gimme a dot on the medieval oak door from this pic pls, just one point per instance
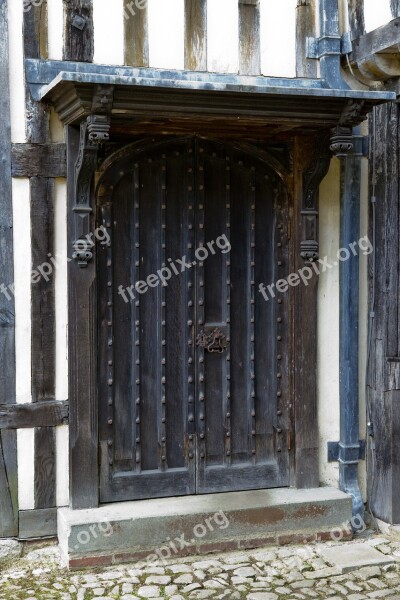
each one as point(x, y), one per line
point(193, 361)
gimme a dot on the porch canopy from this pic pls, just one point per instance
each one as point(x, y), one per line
point(145, 100)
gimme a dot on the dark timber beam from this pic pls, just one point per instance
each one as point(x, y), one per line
point(82, 352)
point(36, 414)
point(34, 160)
point(39, 523)
point(78, 34)
point(8, 439)
point(42, 291)
point(312, 159)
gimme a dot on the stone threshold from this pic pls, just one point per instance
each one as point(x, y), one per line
point(151, 531)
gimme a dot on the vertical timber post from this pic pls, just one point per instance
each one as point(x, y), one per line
point(196, 35)
point(42, 292)
point(8, 439)
point(305, 28)
point(249, 37)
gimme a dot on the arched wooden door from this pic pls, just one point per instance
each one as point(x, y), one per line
point(193, 361)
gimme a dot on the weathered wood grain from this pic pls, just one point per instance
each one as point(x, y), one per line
point(37, 523)
point(8, 442)
point(305, 27)
point(249, 37)
point(43, 288)
point(196, 35)
point(36, 414)
point(310, 158)
point(78, 33)
point(384, 286)
point(136, 33)
point(35, 31)
point(43, 332)
point(45, 467)
point(82, 341)
point(39, 160)
point(35, 34)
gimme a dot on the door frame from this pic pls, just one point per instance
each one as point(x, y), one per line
point(310, 158)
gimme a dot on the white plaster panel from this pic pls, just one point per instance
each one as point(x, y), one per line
point(108, 23)
point(223, 36)
point(26, 468)
point(56, 127)
point(22, 287)
point(62, 466)
point(376, 13)
point(55, 11)
point(278, 38)
point(166, 34)
point(328, 324)
point(61, 288)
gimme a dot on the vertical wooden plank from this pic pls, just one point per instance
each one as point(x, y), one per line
point(43, 334)
point(150, 314)
point(356, 17)
point(249, 37)
point(311, 157)
point(305, 27)
point(35, 31)
point(78, 33)
point(196, 35)
point(42, 288)
point(384, 353)
point(136, 33)
point(35, 46)
point(82, 351)
point(240, 328)
point(43, 302)
point(8, 440)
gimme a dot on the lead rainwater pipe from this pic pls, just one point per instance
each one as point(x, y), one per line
point(349, 445)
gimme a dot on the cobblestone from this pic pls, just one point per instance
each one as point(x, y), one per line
point(274, 573)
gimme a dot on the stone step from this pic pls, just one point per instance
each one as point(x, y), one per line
point(154, 530)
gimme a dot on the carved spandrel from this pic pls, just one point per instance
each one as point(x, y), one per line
point(94, 131)
point(312, 177)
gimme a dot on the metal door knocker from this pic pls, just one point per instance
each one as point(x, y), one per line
point(212, 339)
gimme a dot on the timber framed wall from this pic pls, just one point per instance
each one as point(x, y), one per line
point(81, 30)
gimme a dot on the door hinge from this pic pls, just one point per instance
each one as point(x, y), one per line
point(289, 229)
point(99, 454)
point(289, 440)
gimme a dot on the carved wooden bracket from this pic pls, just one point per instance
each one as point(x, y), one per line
point(342, 141)
point(312, 177)
point(94, 131)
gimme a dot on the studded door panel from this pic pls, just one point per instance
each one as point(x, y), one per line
point(193, 372)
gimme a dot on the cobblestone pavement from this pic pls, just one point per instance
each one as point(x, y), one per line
point(289, 572)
